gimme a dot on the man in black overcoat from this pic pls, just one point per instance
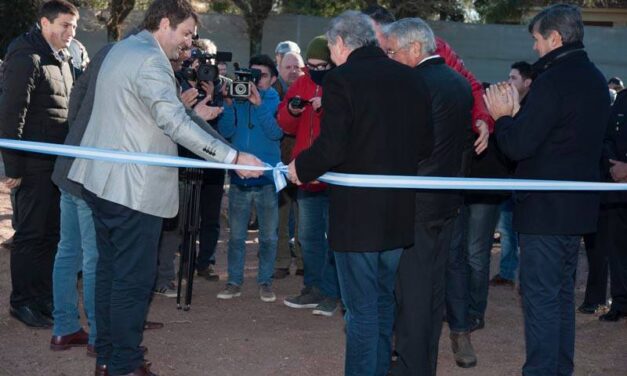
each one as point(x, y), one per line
point(558, 135)
point(376, 121)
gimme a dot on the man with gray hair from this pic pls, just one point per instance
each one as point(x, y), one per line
point(558, 134)
point(366, 129)
point(420, 289)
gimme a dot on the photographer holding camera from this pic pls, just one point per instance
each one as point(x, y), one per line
point(200, 81)
point(248, 121)
point(299, 114)
point(212, 187)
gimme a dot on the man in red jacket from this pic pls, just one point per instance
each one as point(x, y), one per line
point(299, 114)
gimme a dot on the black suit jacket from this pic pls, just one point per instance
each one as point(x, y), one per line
point(558, 135)
point(451, 109)
point(615, 146)
point(376, 121)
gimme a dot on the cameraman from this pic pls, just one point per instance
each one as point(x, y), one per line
point(250, 124)
point(196, 94)
point(212, 187)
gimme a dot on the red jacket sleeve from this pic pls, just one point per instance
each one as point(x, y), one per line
point(287, 121)
point(479, 111)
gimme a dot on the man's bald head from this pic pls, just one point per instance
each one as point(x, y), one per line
point(291, 67)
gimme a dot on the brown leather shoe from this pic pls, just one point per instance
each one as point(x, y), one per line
point(101, 370)
point(152, 325)
point(77, 339)
point(500, 281)
point(91, 350)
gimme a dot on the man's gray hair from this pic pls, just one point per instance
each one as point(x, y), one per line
point(355, 28)
point(409, 30)
point(206, 45)
point(563, 18)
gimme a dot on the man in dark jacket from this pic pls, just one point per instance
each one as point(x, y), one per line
point(557, 135)
point(368, 130)
point(612, 230)
point(422, 270)
point(34, 107)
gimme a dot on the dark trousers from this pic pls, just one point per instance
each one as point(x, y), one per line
point(612, 235)
point(128, 243)
point(547, 276)
point(210, 205)
point(420, 297)
point(35, 241)
point(596, 284)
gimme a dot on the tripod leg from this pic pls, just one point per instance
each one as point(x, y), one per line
point(184, 255)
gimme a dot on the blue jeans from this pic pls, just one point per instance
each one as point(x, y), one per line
point(367, 285)
point(265, 199)
point(318, 259)
point(468, 269)
point(547, 276)
point(509, 242)
point(77, 245)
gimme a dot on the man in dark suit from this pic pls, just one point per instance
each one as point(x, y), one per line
point(422, 270)
point(557, 135)
point(368, 129)
point(612, 231)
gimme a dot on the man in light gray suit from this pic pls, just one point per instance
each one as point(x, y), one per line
point(136, 109)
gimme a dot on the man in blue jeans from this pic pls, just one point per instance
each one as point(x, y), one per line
point(368, 130)
point(250, 124)
point(558, 134)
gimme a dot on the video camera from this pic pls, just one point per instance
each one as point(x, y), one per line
point(244, 77)
point(207, 71)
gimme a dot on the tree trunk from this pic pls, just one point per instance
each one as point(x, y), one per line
point(255, 34)
point(119, 9)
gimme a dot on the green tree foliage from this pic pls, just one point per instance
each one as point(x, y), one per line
point(499, 11)
point(16, 17)
point(322, 8)
point(444, 10)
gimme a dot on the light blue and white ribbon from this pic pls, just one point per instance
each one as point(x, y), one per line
point(351, 180)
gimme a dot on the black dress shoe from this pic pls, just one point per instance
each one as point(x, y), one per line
point(45, 308)
point(31, 317)
point(589, 309)
point(612, 316)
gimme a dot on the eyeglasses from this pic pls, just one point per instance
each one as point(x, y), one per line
point(318, 67)
point(391, 53)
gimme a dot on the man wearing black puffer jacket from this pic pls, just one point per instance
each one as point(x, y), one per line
point(34, 107)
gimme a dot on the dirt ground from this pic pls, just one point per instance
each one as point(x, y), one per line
point(246, 336)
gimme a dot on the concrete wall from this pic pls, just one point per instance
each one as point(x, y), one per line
point(488, 50)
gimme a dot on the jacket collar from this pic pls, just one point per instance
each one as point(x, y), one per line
point(41, 45)
point(365, 52)
point(558, 55)
point(431, 60)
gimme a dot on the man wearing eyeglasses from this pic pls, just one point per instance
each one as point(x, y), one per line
point(421, 278)
point(250, 124)
point(299, 114)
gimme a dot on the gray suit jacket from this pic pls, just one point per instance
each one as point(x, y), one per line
point(136, 109)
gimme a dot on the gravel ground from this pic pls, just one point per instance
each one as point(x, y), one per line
point(248, 337)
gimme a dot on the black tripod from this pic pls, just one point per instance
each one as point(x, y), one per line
point(190, 215)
